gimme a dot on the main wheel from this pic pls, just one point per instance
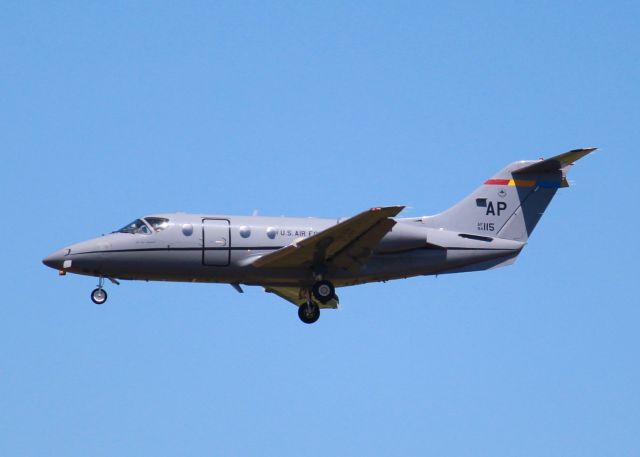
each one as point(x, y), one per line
point(309, 313)
point(323, 291)
point(99, 296)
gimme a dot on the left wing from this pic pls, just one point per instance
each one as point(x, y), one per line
point(345, 245)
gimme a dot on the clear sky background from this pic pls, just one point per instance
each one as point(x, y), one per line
point(113, 110)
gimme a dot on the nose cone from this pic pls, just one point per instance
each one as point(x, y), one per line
point(55, 260)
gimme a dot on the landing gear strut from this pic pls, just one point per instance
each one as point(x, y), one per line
point(99, 295)
point(323, 291)
point(309, 312)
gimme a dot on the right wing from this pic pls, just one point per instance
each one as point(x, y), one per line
point(293, 295)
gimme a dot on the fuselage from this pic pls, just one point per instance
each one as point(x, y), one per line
point(221, 248)
point(303, 260)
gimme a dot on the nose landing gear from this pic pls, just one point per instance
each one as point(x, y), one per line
point(99, 295)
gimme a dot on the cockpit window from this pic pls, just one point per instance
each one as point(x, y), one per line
point(136, 226)
point(157, 223)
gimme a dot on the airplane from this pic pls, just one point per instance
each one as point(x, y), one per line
point(304, 260)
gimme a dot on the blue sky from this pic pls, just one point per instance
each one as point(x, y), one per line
point(113, 110)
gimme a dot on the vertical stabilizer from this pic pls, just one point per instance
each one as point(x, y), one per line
point(510, 204)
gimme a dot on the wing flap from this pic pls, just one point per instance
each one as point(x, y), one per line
point(354, 256)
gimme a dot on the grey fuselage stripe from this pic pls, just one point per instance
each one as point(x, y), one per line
point(258, 248)
point(169, 248)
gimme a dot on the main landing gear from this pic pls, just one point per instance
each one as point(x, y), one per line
point(309, 312)
point(323, 291)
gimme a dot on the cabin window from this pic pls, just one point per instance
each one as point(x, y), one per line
point(245, 231)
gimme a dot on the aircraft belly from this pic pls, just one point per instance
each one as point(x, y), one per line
point(152, 263)
point(186, 265)
point(418, 263)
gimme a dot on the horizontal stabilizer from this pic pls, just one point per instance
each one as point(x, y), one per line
point(555, 163)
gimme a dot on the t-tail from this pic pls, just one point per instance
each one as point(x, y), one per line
point(510, 204)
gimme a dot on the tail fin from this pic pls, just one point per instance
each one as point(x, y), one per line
point(510, 204)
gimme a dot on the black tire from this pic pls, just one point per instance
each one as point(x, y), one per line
point(309, 313)
point(323, 291)
point(99, 296)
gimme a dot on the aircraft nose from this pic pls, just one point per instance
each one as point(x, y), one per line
point(56, 259)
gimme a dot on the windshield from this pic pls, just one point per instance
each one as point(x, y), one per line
point(157, 223)
point(136, 226)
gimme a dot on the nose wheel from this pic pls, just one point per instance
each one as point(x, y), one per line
point(99, 295)
point(309, 312)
